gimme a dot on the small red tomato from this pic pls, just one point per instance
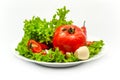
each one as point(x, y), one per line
point(68, 38)
point(34, 46)
point(44, 46)
point(88, 43)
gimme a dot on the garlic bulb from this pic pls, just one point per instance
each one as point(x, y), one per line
point(82, 53)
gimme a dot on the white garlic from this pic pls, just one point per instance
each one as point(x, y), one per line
point(82, 53)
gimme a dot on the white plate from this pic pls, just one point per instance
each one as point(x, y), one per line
point(69, 64)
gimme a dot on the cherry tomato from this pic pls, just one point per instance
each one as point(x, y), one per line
point(44, 46)
point(34, 46)
point(88, 43)
point(68, 38)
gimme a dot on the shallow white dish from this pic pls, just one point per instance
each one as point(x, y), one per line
point(69, 64)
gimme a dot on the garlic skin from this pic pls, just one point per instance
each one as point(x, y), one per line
point(82, 53)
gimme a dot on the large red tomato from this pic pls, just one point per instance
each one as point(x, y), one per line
point(68, 38)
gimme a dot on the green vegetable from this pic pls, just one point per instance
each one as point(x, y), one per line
point(43, 31)
point(95, 48)
point(54, 56)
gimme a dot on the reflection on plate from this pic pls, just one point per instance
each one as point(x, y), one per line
point(69, 64)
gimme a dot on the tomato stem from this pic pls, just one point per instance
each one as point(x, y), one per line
point(71, 31)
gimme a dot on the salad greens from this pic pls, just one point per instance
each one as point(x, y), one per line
point(95, 48)
point(53, 56)
point(42, 30)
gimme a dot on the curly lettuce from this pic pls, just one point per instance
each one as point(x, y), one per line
point(95, 47)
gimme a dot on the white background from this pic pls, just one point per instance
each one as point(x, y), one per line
point(102, 20)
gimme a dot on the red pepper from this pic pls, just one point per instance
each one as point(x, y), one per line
point(83, 28)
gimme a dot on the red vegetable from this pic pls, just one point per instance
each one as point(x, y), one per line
point(68, 38)
point(88, 43)
point(44, 46)
point(34, 46)
point(83, 28)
